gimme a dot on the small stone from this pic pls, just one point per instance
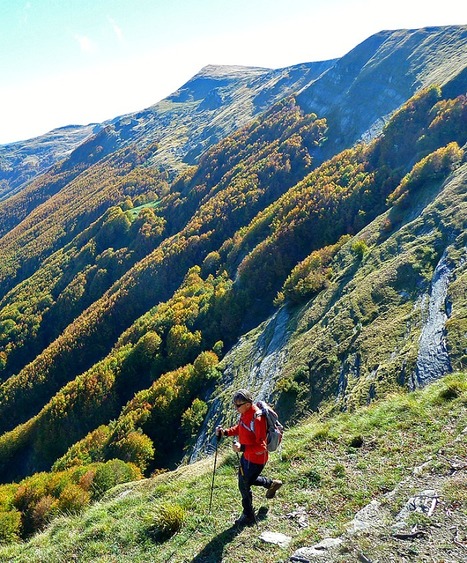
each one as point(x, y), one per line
point(320, 549)
point(368, 517)
point(276, 538)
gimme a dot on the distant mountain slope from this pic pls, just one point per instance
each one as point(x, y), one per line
point(215, 102)
point(21, 161)
point(362, 89)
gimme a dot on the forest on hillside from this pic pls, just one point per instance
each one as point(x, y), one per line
point(121, 290)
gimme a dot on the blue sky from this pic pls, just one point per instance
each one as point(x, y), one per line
point(80, 61)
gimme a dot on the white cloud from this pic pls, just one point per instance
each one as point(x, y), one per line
point(116, 29)
point(86, 44)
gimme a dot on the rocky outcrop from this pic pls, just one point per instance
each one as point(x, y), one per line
point(254, 363)
point(433, 357)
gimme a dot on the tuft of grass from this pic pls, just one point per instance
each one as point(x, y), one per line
point(455, 490)
point(450, 390)
point(167, 522)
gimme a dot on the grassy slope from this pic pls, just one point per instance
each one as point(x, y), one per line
point(359, 337)
point(365, 326)
point(348, 330)
point(333, 464)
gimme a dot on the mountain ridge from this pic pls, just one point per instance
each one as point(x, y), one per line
point(404, 50)
point(135, 121)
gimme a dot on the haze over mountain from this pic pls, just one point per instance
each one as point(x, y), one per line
point(298, 231)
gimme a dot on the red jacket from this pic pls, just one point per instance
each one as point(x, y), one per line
point(251, 432)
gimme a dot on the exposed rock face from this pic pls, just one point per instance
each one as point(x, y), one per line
point(254, 363)
point(269, 354)
point(433, 357)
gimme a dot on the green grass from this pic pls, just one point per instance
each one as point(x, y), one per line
point(332, 465)
point(135, 210)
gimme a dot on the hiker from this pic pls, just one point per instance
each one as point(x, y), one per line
point(251, 432)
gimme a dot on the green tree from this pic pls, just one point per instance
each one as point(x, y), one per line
point(193, 417)
point(182, 344)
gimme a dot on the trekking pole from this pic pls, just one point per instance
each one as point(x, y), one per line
point(214, 471)
point(240, 468)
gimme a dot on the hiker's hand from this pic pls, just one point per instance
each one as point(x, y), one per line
point(219, 431)
point(236, 447)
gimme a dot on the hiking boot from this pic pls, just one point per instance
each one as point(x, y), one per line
point(245, 520)
point(273, 488)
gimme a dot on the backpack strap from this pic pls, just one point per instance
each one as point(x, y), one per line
point(251, 428)
point(258, 412)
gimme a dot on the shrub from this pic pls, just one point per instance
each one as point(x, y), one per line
point(205, 365)
point(182, 344)
point(29, 493)
point(7, 494)
point(10, 525)
point(167, 522)
point(288, 385)
point(86, 480)
point(193, 417)
point(73, 499)
point(359, 248)
point(135, 447)
point(43, 512)
point(112, 473)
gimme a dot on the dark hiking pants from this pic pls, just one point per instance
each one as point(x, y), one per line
point(248, 475)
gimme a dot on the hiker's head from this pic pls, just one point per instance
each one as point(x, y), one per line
point(242, 397)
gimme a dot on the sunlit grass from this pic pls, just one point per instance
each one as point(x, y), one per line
point(332, 466)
